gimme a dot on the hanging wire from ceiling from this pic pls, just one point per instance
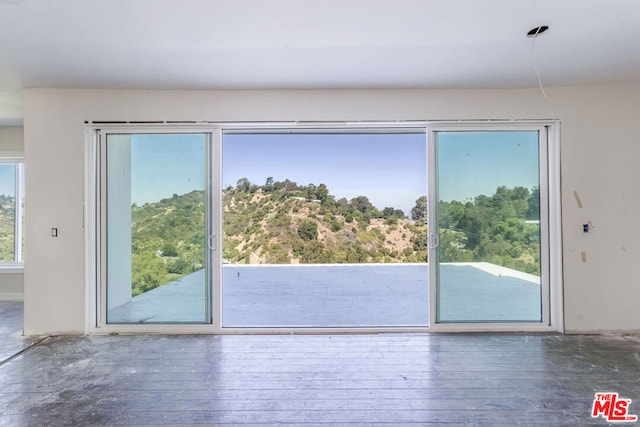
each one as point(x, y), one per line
point(533, 34)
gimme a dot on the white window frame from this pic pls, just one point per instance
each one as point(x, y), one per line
point(17, 264)
point(94, 313)
point(95, 231)
point(550, 222)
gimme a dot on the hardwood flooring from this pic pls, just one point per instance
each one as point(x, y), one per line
point(11, 339)
point(315, 380)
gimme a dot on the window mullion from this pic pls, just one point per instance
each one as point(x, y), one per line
point(19, 176)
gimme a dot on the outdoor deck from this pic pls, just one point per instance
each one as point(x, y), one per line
point(341, 296)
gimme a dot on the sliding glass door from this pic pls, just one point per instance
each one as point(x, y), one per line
point(485, 225)
point(247, 228)
point(156, 193)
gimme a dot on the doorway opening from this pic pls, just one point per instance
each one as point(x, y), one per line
point(325, 229)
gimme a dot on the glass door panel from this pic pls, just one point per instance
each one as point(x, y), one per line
point(157, 228)
point(487, 255)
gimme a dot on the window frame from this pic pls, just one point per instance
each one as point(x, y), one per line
point(550, 222)
point(17, 264)
point(94, 320)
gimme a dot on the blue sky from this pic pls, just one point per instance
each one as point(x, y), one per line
point(475, 163)
point(390, 169)
point(166, 164)
point(7, 179)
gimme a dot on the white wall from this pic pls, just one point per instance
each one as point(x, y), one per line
point(11, 285)
point(599, 151)
point(11, 282)
point(11, 140)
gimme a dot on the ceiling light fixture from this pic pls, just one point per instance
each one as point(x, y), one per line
point(535, 32)
point(532, 34)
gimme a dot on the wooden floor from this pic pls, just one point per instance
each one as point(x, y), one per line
point(11, 339)
point(332, 380)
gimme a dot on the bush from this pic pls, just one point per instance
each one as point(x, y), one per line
point(391, 220)
point(169, 250)
point(179, 266)
point(363, 223)
point(308, 230)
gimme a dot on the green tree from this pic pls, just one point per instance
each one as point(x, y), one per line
point(148, 272)
point(419, 211)
point(310, 191)
point(243, 185)
point(356, 254)
point(363, 222)
point(313, 252)
point(322, 193)
point(268, 185)
point(533, 210)
point(179, 266)
point(387, 212)
point(421, 241)
point(451, 247)
point(308, 230)
point(361, 204)
point(169, 249)
point(342, 206)
point(399, 213)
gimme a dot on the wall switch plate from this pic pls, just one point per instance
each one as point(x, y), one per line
point(54, 232)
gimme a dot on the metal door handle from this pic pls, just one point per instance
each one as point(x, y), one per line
point(434, 241)
point(211, 242)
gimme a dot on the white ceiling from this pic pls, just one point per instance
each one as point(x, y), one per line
point(274, 44)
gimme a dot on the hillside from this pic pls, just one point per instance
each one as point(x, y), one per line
point(280, 223)
point(7, 214)
point(167, 240)
point(281, 228)
point(284, 223)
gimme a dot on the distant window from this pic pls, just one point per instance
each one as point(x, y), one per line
point(11, 211)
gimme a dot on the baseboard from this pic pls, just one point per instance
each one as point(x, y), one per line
point(633, 331)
